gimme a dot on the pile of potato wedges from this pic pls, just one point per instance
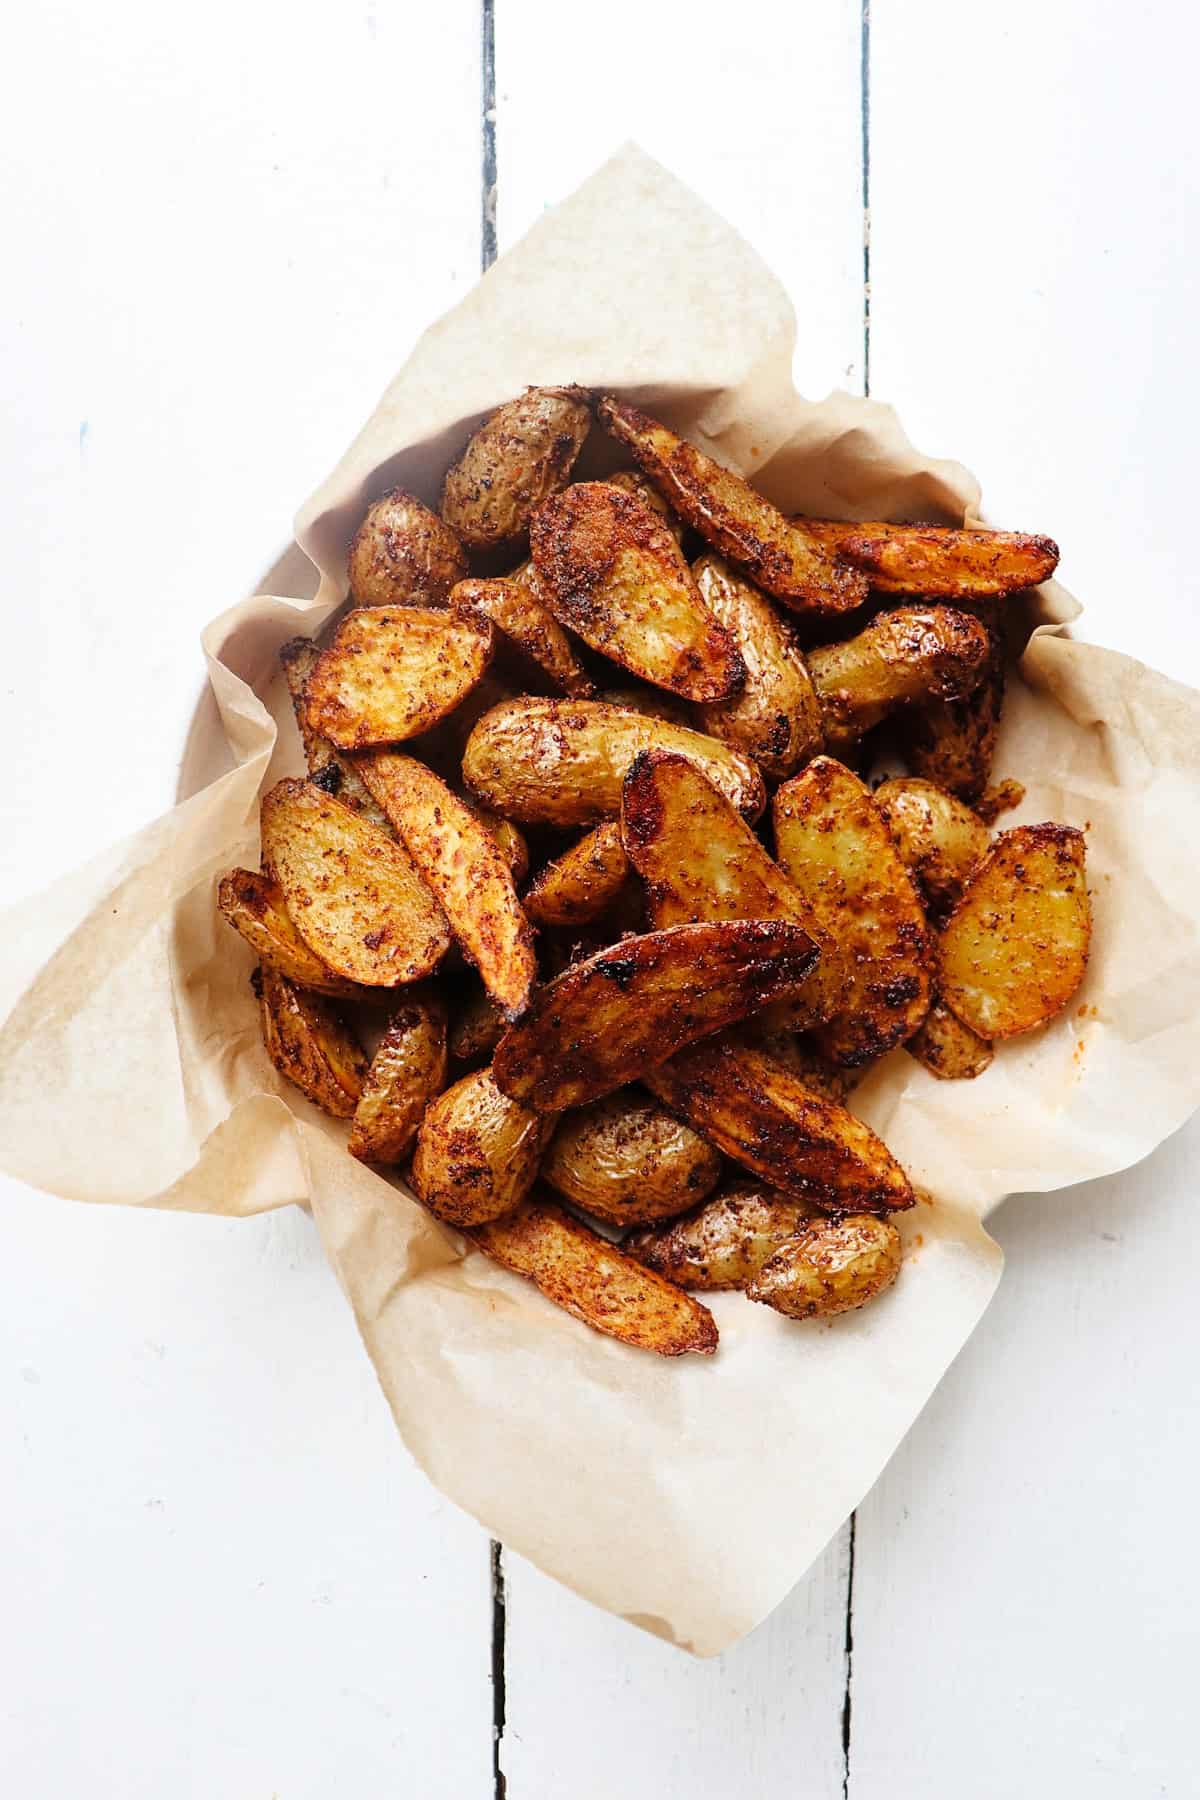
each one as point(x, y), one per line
point(588, 914)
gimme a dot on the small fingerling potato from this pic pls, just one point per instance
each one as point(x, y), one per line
point(393, 672)
point(948, 1048)
point(912, 653)
point(830, 1266)
point(477, 1151)
point(407, 1071)
point(514, 608)
point(632, 481)
point(310, 1044)
point(404, 555)
point(328, 769)
point(519, 456)
point(254, 905)
point(939, 837)
point(725, 1241)
point(939, 561)
point(775, 717)
point(953, 742)
point(582, 883)
point(625, 1160)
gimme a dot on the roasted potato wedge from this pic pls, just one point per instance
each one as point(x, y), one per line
point(735, 518)
point(723, 1242)
point(939, 837)
point(519, 456)
point(509, 841)
point(583, 882)
point(477, 1028)
point(999, 799)
point(635, 483)
point(605, 1021)
point(594, 1281)
point(830, 1266)
point(791, 1137)
point(611, 571)
point(465, 867)
point(477, 1151)
point(1015, 948)
point(948, 1048)
point(836, 846)
point(328, 769)
point(393, 672)
point(913, 653)
point(355, 896)
point(310, 1044)
point(404, 555)
point(562, 762)
point(254, 905)
point(407, 1071)
point(953, 742)
point(625, 1160)
point(938, 561)
point(775, 717)
point(514, 608)
point(653, 703)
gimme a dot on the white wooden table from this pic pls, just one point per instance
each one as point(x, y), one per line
point(220, 1575)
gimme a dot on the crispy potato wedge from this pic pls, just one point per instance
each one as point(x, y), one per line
point(610, 569)
point(509, 841)
point(254, 905)
point(477, 1151)
point(767, 1119)
point(735, 518)
point(605, 1021)
point(465, 867)
point(310, 1044)
point(519, 456)
point(632, 481)
point(798, 1054)
point(404, 555)
point(836, 846)
point(594, 1281)
point(562, 762)
point(953, 742)
point(948, 1048)
point(328, 769)
point(723, 1242)
point(625, 1160)
point(583, 882)
point(355, 896)
point(775, 717)
point(939, 837)
point(830, 1266)
point(913, 653)
point(477, 1028)
point(392, 672)
point(938, 561)
point(407, 1071)
point(1015, 948)
point(514, 608)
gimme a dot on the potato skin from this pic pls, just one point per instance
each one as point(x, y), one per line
point(394, 672)
point(519, 456)
point(912, 653)
point(953, 742)
point(328, 769)
point(514, 606)
point(938, 836)
point(403, 555)
point(830, 1266)
point(310, 1044)
point(254, 905)
point(625, 1160)
point(477, 1151)
point(582, 883)
point(948, 1048)
point(723, 1242)
point(775, 717)
point(939, 561)
point(407, 1071)
point(632, 481)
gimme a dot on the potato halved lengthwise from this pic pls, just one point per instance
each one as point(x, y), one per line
point(476, 1028)
point(913, 653)
point(464, 866)
point(562, 762)
point(407, 1071)
point(1015, 948)
point(836, 846)
point(355, 896)
point(518, 457)
point(627, 1160)
point(514, 608)
point(939, 561)
point(404, 555)
point(948, 1048)
point(310, 1044)
point(609, 568)
point(938, 835)
point(953, 742)
point(723, 1242)
point(328, 769)
point(583, 882)
point(393, 672)
point(477, 1151)
point(775, 716)
point(254, 905)
point(605, 1021)
point(735, 518)
point(594, 1281)
point(830, 1266)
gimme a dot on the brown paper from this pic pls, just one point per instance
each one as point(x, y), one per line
point(688, 1495)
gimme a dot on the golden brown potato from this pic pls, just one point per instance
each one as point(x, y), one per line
point(562, 762)
point(830, 1266)
point(1015, 948)
point(355, 896)
point(403, 555)
point(939, 561)
point(328, 769)
point(393, 672)
point(836, 846)
point(254, 905)
point(477, 1029)
point(999, 799)
point(583, 882)
point(626, 1160)
point(310, 1044)
point(465, 867)
point(519, 456)
point(791, 1137)
point(725, 1241)
point(947, 1047)
point(654, 703)
point(953, 742)
point(611, 571)
point(514, 607)
point(635, 483)
point(735, 518)
point(594, 1281)
point(407, 1071)
point(604, 1021)
point(939, 837)
point(477, 1151)
point(509, 841)
point(775, 717)
point(798, 1054)
point(913, 653)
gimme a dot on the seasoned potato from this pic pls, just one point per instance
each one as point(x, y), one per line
point(913, 653)
point(354, 895)
point(999, 799)
point(562, 762)
point(310, 1044)
point(594, 1281)
point(465, 867)
point(767, 1119)
point(477, 1151)
point(516, 459)
point(583, 882)
point(953, 742)
point(407, 1071)
point(775, 717)
point(653, 702)
point(610, 569)
point(735, 518)
point(830, 1266)
point(514, 608)
point(723, 1242)
point(948, 1048)
point(328, 769)
point(939, 837)
point(938, 561)
point(603, 1022)
point(1015, 948)
point(477, 1029)
point(635, 483)
point(393, 672)
point(835, 845)
point(626, 1160)
point(254, 905)
point(509, 841)
point(404, 555)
